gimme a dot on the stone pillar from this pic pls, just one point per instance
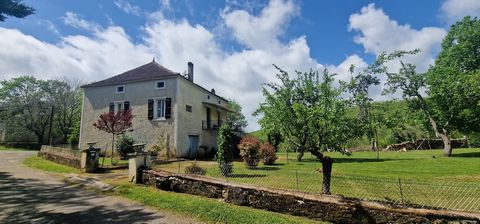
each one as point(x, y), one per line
point(138, 162)
point(89, 159)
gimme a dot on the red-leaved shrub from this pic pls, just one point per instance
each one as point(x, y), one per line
point(249, 147)
point(267, 153)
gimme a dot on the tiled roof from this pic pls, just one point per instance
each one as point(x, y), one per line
point(150, 71)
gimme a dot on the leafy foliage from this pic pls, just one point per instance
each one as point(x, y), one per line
point(14, 8)
point(249, 148)
point(114, 123)
point(307, 112)
point(195, 169)
point(268, 153)
point(225, 147)
point(124, 145)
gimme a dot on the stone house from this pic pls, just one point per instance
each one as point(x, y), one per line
point(170, 110)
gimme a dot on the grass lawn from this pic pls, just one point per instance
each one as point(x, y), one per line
point(205, 209)
point(427, 178)
point(42, 164)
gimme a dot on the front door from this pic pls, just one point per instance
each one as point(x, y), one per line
point(193, 141)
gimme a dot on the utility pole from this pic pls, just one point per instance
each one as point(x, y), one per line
point(50, 126)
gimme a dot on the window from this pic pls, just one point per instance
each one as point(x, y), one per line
point(120, 89)
point(119, 106)
point(160, 109)
point(160, 85)
point(219, 102)
point(208, 96)
point(188, 108)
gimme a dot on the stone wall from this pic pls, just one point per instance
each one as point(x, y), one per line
point(326, 208)
point(63, 156)
point(423, 144)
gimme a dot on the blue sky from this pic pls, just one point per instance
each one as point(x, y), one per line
point(232, 43)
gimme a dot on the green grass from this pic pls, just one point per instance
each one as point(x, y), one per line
point(205, 209)
point(108, 161)
point(45, 165)
point(425, 176)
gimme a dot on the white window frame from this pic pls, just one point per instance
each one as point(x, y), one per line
point(164, 85)
point(116, 103)
point(118, 92)
point(155, 108)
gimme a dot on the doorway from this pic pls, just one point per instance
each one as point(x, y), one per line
point(193, 141)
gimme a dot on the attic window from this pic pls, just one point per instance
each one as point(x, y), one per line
point(120, 89)
point(188, 108)
point(208, 96)
point(159, 85)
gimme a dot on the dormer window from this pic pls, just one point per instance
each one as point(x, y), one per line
point(120, 89)
point(159, 85)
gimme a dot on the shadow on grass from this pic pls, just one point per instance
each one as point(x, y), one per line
point(467, 154)
point(238, 175)
point(35, 201)
point(265, 168)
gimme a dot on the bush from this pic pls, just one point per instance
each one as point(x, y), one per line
point(268, 153)
point(225, 147)
point(195, 169)
point(124, 145)
point(249, 147)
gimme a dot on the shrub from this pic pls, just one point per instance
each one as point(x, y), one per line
point(225, 146)
point(195, 169)
point(267, 153)
point(249, 147)
point(124, 146)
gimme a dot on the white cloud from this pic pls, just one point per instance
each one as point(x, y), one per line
point(377, 33)
point(74, 20)
point(128, 8)
point(109, 51)
point(261, 31)
point(455, 10)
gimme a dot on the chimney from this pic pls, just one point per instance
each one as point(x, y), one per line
point(213, 91)
point(190, 71)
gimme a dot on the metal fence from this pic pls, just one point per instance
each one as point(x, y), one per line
point(453, 195)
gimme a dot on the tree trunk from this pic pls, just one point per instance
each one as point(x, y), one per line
point(113, 146)
point(300, 153)
point(327, 163)
point(447, 145)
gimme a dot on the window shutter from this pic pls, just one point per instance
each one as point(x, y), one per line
point(112, 107)
point(168, 108)
point(150, 109)
point(126, 105)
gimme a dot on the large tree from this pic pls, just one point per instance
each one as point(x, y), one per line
point(67, 100)
point(452, 84)
point(25, 102)
point(359, 86)
point(307, 111)
point(14, 8)
point(235, 118)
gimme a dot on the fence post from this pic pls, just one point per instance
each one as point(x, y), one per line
point(327, 163)
point(401, 191)
point(296, 177)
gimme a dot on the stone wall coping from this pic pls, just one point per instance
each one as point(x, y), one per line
point(339, 200)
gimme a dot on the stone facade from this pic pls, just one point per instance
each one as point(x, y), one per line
point(174, 132)
point(326, 208)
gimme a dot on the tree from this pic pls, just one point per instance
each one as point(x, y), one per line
point(114, 123)
point(25, 103)
point(225, 147)
point(67, 99)
point(307, 112)
point(235, 118)
point(359, 85)
point(453, 101)
point(14, 8)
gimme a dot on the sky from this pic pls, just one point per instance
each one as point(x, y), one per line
point(233, 44)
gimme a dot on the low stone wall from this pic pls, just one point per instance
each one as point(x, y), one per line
point(326, 208)
point(63, 156)
point(423, 144)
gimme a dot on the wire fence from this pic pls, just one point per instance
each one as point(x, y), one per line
point(451, 195)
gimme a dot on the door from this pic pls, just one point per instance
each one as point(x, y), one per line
point(209, 119)
point(193, 141)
